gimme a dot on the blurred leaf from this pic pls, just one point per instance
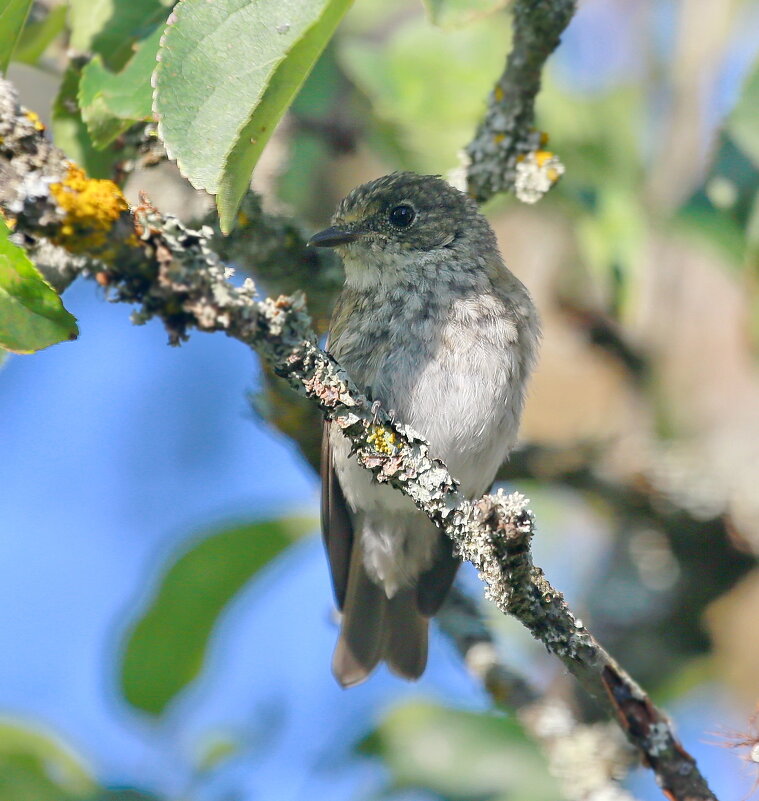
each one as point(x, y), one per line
point(32, 315)
point(166, 649)
point(70, 132)
point(216, 749)
point(599, 135)
point(429, 84)
point(227, 72)
point(720, 211)
point(37, 36)
point(13, 14)
point(456, 13)
point(315, 114)
point(37, 767)
point(743, 122)
point(112, 27)
point(112, 102)
point(610, 238)
point(461, 755)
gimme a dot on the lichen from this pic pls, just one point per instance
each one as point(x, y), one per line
point(536, 173)
point(382, 440)
point(35, 120)
point(90, 208)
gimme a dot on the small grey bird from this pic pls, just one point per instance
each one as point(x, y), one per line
point(433, 325)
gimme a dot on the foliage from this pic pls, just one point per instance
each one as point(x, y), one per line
point(227, 71)
point(13, 14)
point(31, 311)
point(166, 649)
point(459, 754)
point(37, 767)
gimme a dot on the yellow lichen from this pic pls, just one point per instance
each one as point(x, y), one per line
point(498, 138)
point(542, 156)
point(90, 206)
point(382, 440)
point(498, 92)
point(35, 120)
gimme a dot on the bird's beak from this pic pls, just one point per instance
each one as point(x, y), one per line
point(331, 237)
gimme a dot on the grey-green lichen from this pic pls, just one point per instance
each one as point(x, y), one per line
point(506, 137)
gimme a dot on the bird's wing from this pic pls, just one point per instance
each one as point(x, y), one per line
point(433, 585)
point(337, 527)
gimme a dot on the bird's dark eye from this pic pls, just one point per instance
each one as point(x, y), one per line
point(402, 216)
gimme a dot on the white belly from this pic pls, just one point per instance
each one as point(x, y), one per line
point(464, 397)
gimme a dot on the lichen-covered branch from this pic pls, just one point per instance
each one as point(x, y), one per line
point(507, 153)
point(588, 759)
point(172, 273)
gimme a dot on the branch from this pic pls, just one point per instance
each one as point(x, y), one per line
point(589, 760)
point(172, 273)
point(507, 152)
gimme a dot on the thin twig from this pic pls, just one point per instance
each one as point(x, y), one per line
point(507, 152)
point(588, 759)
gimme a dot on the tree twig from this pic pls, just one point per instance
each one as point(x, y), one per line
point(507, 152)
point(589, 760)
point(173, 274)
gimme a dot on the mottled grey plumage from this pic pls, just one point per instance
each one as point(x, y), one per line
point(435, 327)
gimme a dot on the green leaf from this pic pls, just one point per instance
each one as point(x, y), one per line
point(227, 72)
point(743, 122)
point(32, 316)
point(37, 767)
point(13, 14)
point(461, 755)
point(112, 102)
point(429, 85)
point(112, 27)
point(720, 211)
point(37, 36)
point(166, 649)
point(457, 13)
point(70, 132)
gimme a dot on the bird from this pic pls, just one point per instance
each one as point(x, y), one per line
point(432, 325)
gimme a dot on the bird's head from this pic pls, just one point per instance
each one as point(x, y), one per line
point(389, 229)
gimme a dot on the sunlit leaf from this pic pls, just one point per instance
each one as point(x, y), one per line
point(227, 72)
point(461, 755)
point(112, 102)
point(112, 27)
point(35, 766)
point(166, 649)
point(70, 132)
point(32, 315)
point(37, 36)
point(13, 14)
point(455, 13)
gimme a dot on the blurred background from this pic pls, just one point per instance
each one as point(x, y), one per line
point(167, 620)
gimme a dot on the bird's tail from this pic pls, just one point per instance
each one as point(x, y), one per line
point(376, 628)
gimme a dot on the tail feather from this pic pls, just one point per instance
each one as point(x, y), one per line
point(405, 643)
point(375, 627)
point(359, 647)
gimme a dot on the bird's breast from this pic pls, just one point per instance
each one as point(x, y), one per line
point(448, 367)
